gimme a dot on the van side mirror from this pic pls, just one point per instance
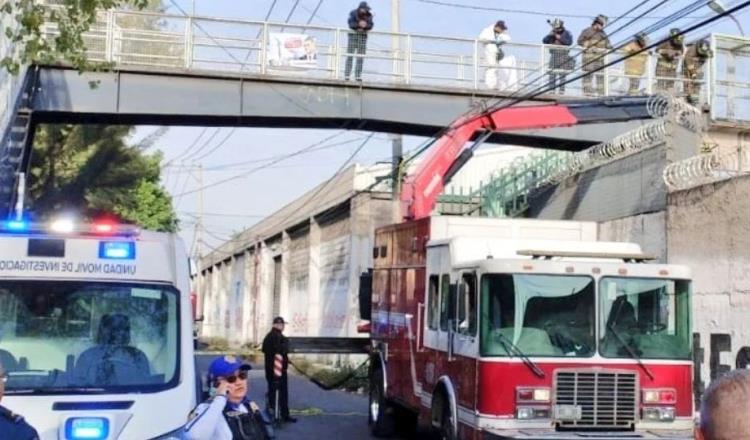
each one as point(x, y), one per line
point(365, 295)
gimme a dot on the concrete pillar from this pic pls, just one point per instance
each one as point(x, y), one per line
point(284, 294)
point(314, 309)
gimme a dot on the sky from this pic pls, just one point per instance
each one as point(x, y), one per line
point(237, 204)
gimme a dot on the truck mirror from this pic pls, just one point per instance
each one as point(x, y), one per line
point(365, 295)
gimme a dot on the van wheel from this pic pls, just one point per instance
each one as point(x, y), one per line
point(381, 414)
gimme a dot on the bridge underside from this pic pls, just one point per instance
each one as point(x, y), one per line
point(153, 98)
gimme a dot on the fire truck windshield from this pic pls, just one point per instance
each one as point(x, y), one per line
point(648, 317)
point(88, 337)
point(543, 315)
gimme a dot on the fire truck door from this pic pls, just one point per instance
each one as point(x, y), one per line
point(465, 338)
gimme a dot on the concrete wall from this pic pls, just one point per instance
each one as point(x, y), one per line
point(645, 229)
point(630, 186)
point(321, 261)
point(708, 229)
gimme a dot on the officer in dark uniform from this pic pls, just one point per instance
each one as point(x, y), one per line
point(595, 44)
point(276, 343)
point(13, 426)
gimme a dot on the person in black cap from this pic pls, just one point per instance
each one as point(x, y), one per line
point(360, 22)
point(275, 343)
point(13, 426)
point(560, 62)
point(493, 37)
point(228, 414)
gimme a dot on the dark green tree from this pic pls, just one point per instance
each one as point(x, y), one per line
point(91, 171)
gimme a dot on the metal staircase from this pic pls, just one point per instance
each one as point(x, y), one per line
point(15, 145)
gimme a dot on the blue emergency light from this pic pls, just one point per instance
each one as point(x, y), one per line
point(14, 226)
point(117, 250)
point(86, 428)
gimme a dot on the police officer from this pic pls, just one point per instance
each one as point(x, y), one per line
point(228, 414)
point(695, 58)
point(560, 62)
point(275, 343)
point(669, 54)
point(635, 66)
point(595, 43)
point(13, 426)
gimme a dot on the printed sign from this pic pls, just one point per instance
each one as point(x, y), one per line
point(56, 266)
point(292, 50)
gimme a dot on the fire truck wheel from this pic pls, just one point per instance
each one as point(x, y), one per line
point(446, 422)
point(381, 414)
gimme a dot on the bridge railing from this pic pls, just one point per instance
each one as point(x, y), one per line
point(209, 44)
point(206, 44)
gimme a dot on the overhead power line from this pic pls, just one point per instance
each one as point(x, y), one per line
point(522, 11)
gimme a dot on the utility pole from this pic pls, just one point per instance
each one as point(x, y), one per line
point(199, 246)
point(193, 15)
point(397, 141)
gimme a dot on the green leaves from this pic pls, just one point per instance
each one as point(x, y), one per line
point(90, 170)
point(30, 26)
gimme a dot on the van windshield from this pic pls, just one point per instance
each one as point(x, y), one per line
point(542, 315)
point(88, 337)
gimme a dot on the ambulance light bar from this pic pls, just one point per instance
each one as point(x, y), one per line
point(68, 227)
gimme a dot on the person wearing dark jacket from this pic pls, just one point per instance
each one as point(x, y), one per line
point(360, 23)
point(560, 62)
point(275, 343)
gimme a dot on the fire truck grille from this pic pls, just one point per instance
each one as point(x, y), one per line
point(607, 399)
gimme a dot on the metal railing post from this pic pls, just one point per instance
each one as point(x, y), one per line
point(650, 74)
point(542, 68)
point(711, 90)
point(337, 54)
point(408, 64)
point(263, 49)
point(109, 42)
point(188, 62)
point(606, 75)
point(476, 64)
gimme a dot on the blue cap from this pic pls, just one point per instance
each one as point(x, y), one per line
point(226, 365)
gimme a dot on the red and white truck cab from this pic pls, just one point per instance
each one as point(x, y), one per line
point(527, 329)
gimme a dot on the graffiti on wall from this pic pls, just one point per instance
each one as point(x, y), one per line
point(719, 343)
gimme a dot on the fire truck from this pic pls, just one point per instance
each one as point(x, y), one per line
point(521, 329)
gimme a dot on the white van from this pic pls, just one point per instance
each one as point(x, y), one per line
point(96, 330)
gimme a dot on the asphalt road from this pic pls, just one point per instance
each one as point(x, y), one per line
point(330, 415)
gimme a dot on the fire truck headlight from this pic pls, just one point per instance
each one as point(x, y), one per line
point(532, 412)
point(541, 395)
point(658, 414)
point(663, 396)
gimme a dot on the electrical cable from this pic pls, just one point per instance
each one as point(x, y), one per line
point(314, 13)
point(187, 150)
point(258, 168)
point(517, 11)
point(217, 146)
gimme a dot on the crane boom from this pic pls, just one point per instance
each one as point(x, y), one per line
point(421, 188)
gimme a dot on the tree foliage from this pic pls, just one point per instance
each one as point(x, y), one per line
point(90, 170)
point(24, 21)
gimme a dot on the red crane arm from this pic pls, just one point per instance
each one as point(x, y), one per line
point(421, 188)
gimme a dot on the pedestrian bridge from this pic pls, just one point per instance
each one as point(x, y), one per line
point(180, 70)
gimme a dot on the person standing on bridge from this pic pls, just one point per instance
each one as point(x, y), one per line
point(276, 353)
point(360, 23)
point(560, 62)
point(725, 408)
point(228, 414)
point(635, 66)
point(696, 56)
point(669, 53)
point(595, 44)
point(494, 37)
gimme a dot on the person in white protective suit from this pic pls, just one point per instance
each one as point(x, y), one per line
point(500, 70)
